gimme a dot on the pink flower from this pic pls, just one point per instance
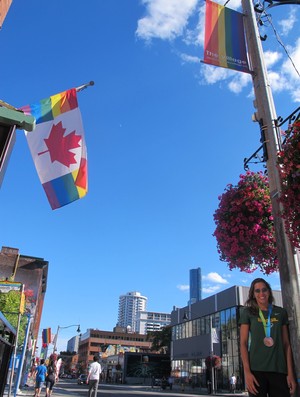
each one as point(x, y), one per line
point(288, 165)
point(244, 227)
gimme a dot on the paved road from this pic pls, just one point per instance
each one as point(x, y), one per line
point(69, 388)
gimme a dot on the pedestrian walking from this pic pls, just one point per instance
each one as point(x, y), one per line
point(232, 383)
point(268, 364)
point(93, 377)
point(50, 378)
point(40, 375)
point(171, 381)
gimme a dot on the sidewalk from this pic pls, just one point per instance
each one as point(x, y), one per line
point(197, 391)
point(63, 392)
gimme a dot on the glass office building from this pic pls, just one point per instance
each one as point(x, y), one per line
point(192, 337)
point(195, 285)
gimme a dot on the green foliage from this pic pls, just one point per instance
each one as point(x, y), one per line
point(9, 306)
point(161, 340)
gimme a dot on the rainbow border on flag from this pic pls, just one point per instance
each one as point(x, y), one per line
point(49, 108)
point(224, 42)
point(67, 188)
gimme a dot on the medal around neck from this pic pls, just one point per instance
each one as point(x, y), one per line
point(268, 341)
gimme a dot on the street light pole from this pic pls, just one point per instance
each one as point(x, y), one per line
point(266, 116)
point(58, 328)
point(22, 358)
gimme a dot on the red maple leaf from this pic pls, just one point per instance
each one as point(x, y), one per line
point(59, 146)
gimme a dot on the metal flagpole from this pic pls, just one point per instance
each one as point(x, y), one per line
point(266, 116)
point(83, 86)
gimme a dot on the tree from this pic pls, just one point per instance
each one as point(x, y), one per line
point(161, 340)
point(10, 306)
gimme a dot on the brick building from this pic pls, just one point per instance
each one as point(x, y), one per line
point(109, 343)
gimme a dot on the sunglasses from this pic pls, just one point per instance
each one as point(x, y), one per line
point(258, 291)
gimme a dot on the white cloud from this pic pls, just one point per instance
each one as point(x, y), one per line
point(289, 73)
point(234, 4)
point(185, 21)
point(287, 66)
point(183, 287)
point(196, 36)
point(287, 24)
point(211, 290)
point(165, 19)
point(296, 95)
point(271, 57)
point(213, 74)
point(189, 58)
point(278, 82)
point(216, 278)
point(240, 81)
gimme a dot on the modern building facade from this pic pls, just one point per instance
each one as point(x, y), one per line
point(73, 344)
point(152, 321)
point(130, 305)
point(192, 337)
point(195, 285)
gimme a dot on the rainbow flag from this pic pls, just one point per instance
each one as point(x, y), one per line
point(224, 41)
point(58, 149)
point(46, 337)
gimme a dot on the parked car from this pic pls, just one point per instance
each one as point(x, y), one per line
point(82, 379)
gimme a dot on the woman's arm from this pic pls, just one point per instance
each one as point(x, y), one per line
point(289, 359)
point(250, 380)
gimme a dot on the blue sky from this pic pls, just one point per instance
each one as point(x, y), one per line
point(165, 135)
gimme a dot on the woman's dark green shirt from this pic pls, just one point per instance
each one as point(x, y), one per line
point(261, 357)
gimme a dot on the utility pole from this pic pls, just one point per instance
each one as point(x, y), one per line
point(266, 116)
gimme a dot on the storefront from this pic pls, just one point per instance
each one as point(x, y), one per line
point(7, 339)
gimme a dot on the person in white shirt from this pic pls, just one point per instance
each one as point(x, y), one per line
point(232, 383)
point(93, 377)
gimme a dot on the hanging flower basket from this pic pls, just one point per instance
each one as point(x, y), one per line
point(245, 230)
point(289, 168)
point(214, 361)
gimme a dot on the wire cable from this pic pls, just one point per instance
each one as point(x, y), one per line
point(269, 19)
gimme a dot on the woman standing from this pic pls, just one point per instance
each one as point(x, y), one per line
point(266, 354)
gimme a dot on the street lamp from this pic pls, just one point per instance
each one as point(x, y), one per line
point(58, 328)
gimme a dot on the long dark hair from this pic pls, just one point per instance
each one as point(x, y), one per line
point(51, 367)
point(251, 301)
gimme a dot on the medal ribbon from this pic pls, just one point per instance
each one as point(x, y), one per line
point(267, 326)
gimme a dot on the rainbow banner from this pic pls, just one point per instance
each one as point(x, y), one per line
point(58, 149)
point(46, 337)
point(224, 41)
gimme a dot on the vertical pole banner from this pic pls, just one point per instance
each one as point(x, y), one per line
point(224, 41)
